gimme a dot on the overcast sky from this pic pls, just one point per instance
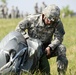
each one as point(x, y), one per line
point(28, 5)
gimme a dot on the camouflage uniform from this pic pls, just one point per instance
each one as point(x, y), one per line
point(50, 35)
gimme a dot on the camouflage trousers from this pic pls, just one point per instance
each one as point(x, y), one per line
point(62, 61)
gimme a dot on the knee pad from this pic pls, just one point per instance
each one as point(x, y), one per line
point(61, 50)
point(62, 63)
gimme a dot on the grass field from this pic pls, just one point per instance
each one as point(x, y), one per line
point(7, 25)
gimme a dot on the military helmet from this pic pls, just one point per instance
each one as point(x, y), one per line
point(52, 12)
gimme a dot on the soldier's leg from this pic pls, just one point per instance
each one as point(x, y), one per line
point(62, 61)
point(44, 66)
point(16, 69)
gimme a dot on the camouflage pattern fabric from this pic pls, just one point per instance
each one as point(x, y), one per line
point(50, 35)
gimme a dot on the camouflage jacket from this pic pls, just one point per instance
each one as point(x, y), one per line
point(52, 34)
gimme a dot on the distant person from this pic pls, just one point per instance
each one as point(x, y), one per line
point(1, 11)
point(12, 12)
point(42, 7)
point(36, 8)
point(5, 12)
point(17, 12)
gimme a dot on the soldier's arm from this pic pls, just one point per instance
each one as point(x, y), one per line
point(22, 25)
point(58, 36)
point(26, 23)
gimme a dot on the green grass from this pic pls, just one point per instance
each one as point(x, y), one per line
point(70, 42)
point(7, 25)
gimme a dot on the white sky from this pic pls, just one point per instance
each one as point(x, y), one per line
point(28, 5)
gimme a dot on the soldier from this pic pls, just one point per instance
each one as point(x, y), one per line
point(12, 12)
point(42, 7)
point(17, 12)
point(5, 12)
point(48, 28)
point(1, 13)
point(36, 8)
